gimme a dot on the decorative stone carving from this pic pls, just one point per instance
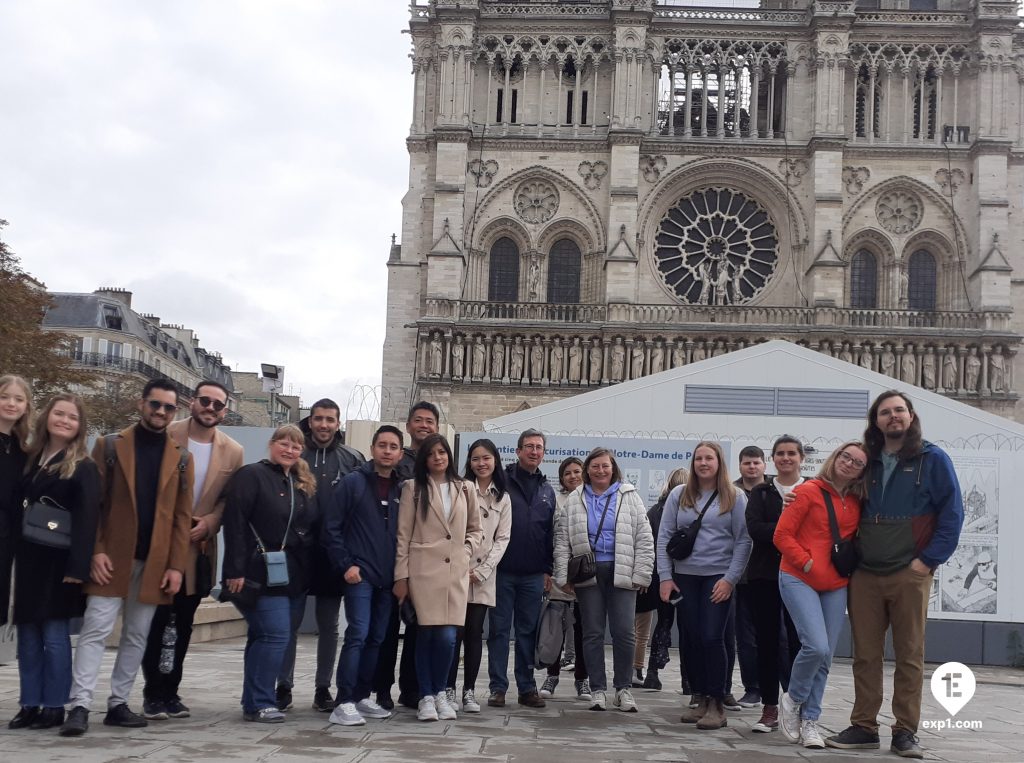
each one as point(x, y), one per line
point(793, 170)
point(887, 362)
point(928, 369)
point(949, 181)
point(479, 358)
point(595, 363)
point(537, 361)
point(844, 354)
point(536, 201)
point(678, 355)
point(867, 358)
point(657, 358)
point(855, 178)
point(483, 171)
point(592, 173)
point(618, 360)
point(575, 360)
point(972, 370)
point(556, 362)
point(699, 353)
point(533, 278)
point(636, 361)
point(949, 370)
point(497, 360)
point(518, 357)
point(908, 370)
point(997, 371)
point(436, 357)
point(899, 211)
point(652, 166)
point(458, 358)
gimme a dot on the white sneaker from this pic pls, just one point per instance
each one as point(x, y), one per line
point(598, 700)
point(583, 690)
point(624, 701)
point(810, 737)
point(346, 714)
point(469, 703)
point(370, 709)
point(427, 710)
point(789, 718)
point(445, 711)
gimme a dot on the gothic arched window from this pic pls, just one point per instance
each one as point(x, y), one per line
point(921, 281)
point(564, 272)
point(503, 277)
point(863, 280)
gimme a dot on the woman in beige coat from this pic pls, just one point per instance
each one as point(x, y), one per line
point(438, 536)
point(483, 468)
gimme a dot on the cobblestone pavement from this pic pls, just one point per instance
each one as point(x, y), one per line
point(564, 732)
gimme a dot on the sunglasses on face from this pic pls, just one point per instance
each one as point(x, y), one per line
point(156, 405)
point(209, 402)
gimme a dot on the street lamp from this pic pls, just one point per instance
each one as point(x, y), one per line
point(273, 382)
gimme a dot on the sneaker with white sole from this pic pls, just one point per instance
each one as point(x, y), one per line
point(427, 709)
point(469, 703)
point(370, 709)
point(789, 718)
point(445, 711)
point(769, 720)
point(810, 736)
point(452, 697)
point(624, 701)
point(346, 714)
point(598, 700)
point(547, 689)
point(583, 690)
point(750, 699)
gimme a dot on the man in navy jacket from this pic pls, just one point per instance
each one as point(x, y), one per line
point(359, 535)
point(524, 573)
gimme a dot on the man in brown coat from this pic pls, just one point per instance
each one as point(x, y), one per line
point(215, 457)
point(142, 546)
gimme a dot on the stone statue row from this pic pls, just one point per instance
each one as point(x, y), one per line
point(594, 361)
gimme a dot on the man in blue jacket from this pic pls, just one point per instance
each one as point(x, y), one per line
point(359, 535)
point(524, 573)
point(909, 526)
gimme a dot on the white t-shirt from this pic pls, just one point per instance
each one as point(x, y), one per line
point(785, 490)
point(446, 499)
point(201, 452)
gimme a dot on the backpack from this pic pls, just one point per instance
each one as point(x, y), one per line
point(550, 632)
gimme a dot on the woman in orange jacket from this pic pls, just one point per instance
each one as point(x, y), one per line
point(813, 591)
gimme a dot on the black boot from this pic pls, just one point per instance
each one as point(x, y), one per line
point(48, 718)
point(24, 719)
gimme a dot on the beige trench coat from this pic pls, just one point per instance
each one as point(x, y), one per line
point(434, 553)
point(496, 521)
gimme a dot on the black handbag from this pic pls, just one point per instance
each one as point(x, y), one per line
point(246, 598)
point(845, 553)
point(583, 567)
point(204, 573)
point(46, 523)
point(680, 545)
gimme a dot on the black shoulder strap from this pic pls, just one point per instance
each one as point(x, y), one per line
point(600, 525)
point(833, 523)
point(110, 461)
point(183, 457)
point(708, 503)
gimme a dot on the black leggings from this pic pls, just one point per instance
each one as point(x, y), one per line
point(769, 614)
point(472, 636)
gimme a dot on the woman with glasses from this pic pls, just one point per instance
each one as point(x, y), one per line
point(268, 513)
point(15, 417)
point(706, 577)
point(606, 516)
point(48, 579)
point(812, 589)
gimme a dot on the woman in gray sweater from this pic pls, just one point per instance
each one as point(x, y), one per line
point(706, 577)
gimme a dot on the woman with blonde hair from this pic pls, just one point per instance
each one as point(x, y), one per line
point(710, 510)
point(50, 572)
point(268, 561)
point(15, 415)
point(813, 590)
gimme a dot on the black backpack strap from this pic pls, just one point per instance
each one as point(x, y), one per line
point(183, 457)
point(110, 461)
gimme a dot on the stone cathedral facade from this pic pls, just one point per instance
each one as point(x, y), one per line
point(605, 189)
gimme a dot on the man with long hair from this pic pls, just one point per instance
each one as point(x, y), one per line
point(910, 526)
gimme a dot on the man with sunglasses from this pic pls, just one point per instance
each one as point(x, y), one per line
point(910, 525)
point(215, 457)
point(142, 550)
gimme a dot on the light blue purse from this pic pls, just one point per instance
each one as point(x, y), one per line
point(277, 561)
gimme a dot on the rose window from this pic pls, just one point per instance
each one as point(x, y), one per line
point(716, 246)
point(536, 201)
point(899, 211)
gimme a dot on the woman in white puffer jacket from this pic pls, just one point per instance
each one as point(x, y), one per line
point(606, 516)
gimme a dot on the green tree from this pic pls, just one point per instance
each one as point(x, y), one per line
point(112, 404)
point(26, 349)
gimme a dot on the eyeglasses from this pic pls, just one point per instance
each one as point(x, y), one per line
point(156, 405)
point(855, 461)
point(534, 447)
point(209, 402)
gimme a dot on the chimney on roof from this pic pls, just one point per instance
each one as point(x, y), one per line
point(112, 292)
point(150, 318)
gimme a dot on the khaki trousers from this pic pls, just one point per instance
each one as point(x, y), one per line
point(876, 603)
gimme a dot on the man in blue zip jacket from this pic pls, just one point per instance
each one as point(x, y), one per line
point(359, 535)
point(524, 573)
point(910, 525)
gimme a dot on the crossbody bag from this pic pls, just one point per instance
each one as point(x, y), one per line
point(583, 567)
point(277, 561)
point(845, 554)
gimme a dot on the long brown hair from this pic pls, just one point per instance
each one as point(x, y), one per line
point(21, 426)
point(857, 487)
point(74, 453)
point(874, 438)
point(726, 490)
point(303, 476)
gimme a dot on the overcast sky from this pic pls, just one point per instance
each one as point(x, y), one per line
point(238, 166)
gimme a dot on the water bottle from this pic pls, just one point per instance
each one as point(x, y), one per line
point(169, 639)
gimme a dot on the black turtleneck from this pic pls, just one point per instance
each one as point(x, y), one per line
point(149, 453)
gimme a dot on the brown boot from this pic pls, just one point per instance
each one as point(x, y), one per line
point(714, 718)
point(694, 714)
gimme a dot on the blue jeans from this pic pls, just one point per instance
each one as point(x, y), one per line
point(270, 628)
point(518, 595)
point(44, 663)
point(367, 614)
point(704, 634)
point(435, 650)
point(818, 617)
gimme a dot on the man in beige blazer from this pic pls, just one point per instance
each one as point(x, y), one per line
point(215, 457)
